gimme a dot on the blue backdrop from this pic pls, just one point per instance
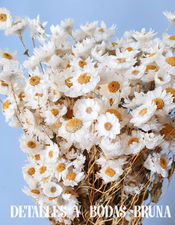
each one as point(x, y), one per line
point(127, 15)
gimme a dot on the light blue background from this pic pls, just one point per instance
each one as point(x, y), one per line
point(127, 15)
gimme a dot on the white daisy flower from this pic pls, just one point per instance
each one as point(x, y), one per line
point(162, 99)
point(111, 148)
point(29, 121)
point(9, 108)
point(134, 143)
point(71, 177)
point(11, 73)
point(83, 49)
point(34, 193)
point(30, 144)
point(29, 171)
point(82, 83)
point(78, 35)
point(143, 114)
point(5, 18)
point(68, 208)
point(87, 109)
point(41, 54)
point(169, 40)
point(7, 56)
point(75, 130)
point(121, 62)
point(51, 189)
point(170, 16)
point(51, 153)
point(115, 89)
point(53, 113)
point(4, 88)
point(152, 140)
point(143, 37)
point(150, 72)
point(135, 72)
point(89, 28)
point(103, 33)
point(158, 163)
point(60, 166)
point(162, 78)
point(107, 125)
point(17, 27)
point(111, 169)
point(37, 29)
point(168, 63)
point(79, 161)
point(44, 171)
point(67, 25)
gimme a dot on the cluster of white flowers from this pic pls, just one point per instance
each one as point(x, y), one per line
point(81, 90)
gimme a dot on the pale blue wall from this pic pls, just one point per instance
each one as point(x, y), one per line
point(127, 15)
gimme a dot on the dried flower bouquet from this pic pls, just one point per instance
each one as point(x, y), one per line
point(97, 116)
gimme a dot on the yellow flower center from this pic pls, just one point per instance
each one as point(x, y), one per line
point(69, 192)
point(74, 125)
point(113, 86)
point(135, 72)
point(3, 17)
point(83, 78)
point(109, 172)
point(143, 111)
point(21, 95)
point(129, 49)
point(82, 63)
point(114, 44)
point(88, 110)
point(54, 112)
point(152, 54)
point(159, 103)
point(42, 169)
point(171, 60)
point(31, 144)
point(35, 191)
point(45, 179)
point(37, 157)
point(151, 67)
point(5, 105)
point(116, 113)
point(7, 56)
point(168, 131)
point(60, 167)
point(171, 91)
point(4, 84)
point(39, 94)
point(172, 37)
point(53, 189)
point(163, 163)
point(31, 171)
point(34, 80)
point(71, 175)
point(132, 140)
point(107, 126)
point(68, 66)
point(52, 198)
point(121, 60)
point(111, 101)
point(57, 124)
point(68, 82)
point(51, 154)
point(101, 30)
